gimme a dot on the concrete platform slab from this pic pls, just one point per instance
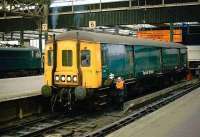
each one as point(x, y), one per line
point(15, 88)
point(178, 119)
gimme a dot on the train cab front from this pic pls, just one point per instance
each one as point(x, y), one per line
point(61, 73)
point(70, 69)
point(66, 71)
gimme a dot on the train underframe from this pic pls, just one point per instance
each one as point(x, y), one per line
point(67, 98)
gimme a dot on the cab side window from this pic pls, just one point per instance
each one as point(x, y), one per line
point(50, 57)
point(85, 58)
point(37, 54)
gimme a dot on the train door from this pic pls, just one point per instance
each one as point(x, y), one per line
point(67, 62)
point(48, 64)
point(90, 63)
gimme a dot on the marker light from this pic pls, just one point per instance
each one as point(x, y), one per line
point(63, 78)
point(57, 78)
point(75, 79)
point(68, 78)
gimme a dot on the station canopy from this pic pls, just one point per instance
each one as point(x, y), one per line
point(59, 3)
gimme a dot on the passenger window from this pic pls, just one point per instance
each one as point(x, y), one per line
point(85, 58)
point(103, 57)
point(50, 57)
point(67, 57)
point(104, 52)
point(37, 54)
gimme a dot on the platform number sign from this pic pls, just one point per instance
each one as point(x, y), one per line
point(44, 27)
point(92, 24)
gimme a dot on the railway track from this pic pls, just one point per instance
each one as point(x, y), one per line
point(36, 128)
point(142, 111)
point(98, 123)
point(25, 122)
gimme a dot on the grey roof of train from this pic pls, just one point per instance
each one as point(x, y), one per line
point(114, 39)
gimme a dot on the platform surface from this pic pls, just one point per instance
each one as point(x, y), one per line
point(180, 118)
point(22, 87)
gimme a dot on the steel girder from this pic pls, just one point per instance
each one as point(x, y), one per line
point(26, 8)
point(20, 14)
point(186, 13)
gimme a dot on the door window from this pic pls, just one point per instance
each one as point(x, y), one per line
point(50, 57)
point(67, 57)
point(85, 58)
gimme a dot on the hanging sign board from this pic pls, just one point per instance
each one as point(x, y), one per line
point(44, 27)
point(92, 24)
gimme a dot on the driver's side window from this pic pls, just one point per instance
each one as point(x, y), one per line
point(85, 58)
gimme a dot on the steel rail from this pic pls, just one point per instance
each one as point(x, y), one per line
point(38, 128)
point(141, 112)
point(26, 122)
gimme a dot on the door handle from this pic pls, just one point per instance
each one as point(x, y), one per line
point(98, 71)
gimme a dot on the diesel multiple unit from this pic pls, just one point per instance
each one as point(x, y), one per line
point(80, 64)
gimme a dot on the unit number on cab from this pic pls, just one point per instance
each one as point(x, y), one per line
point(147, 72)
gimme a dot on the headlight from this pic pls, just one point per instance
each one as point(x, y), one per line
point(68, 78)
point(75, 79)
point(63, 78)
point(57, 78)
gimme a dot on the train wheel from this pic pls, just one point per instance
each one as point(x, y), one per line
point(53, 102)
